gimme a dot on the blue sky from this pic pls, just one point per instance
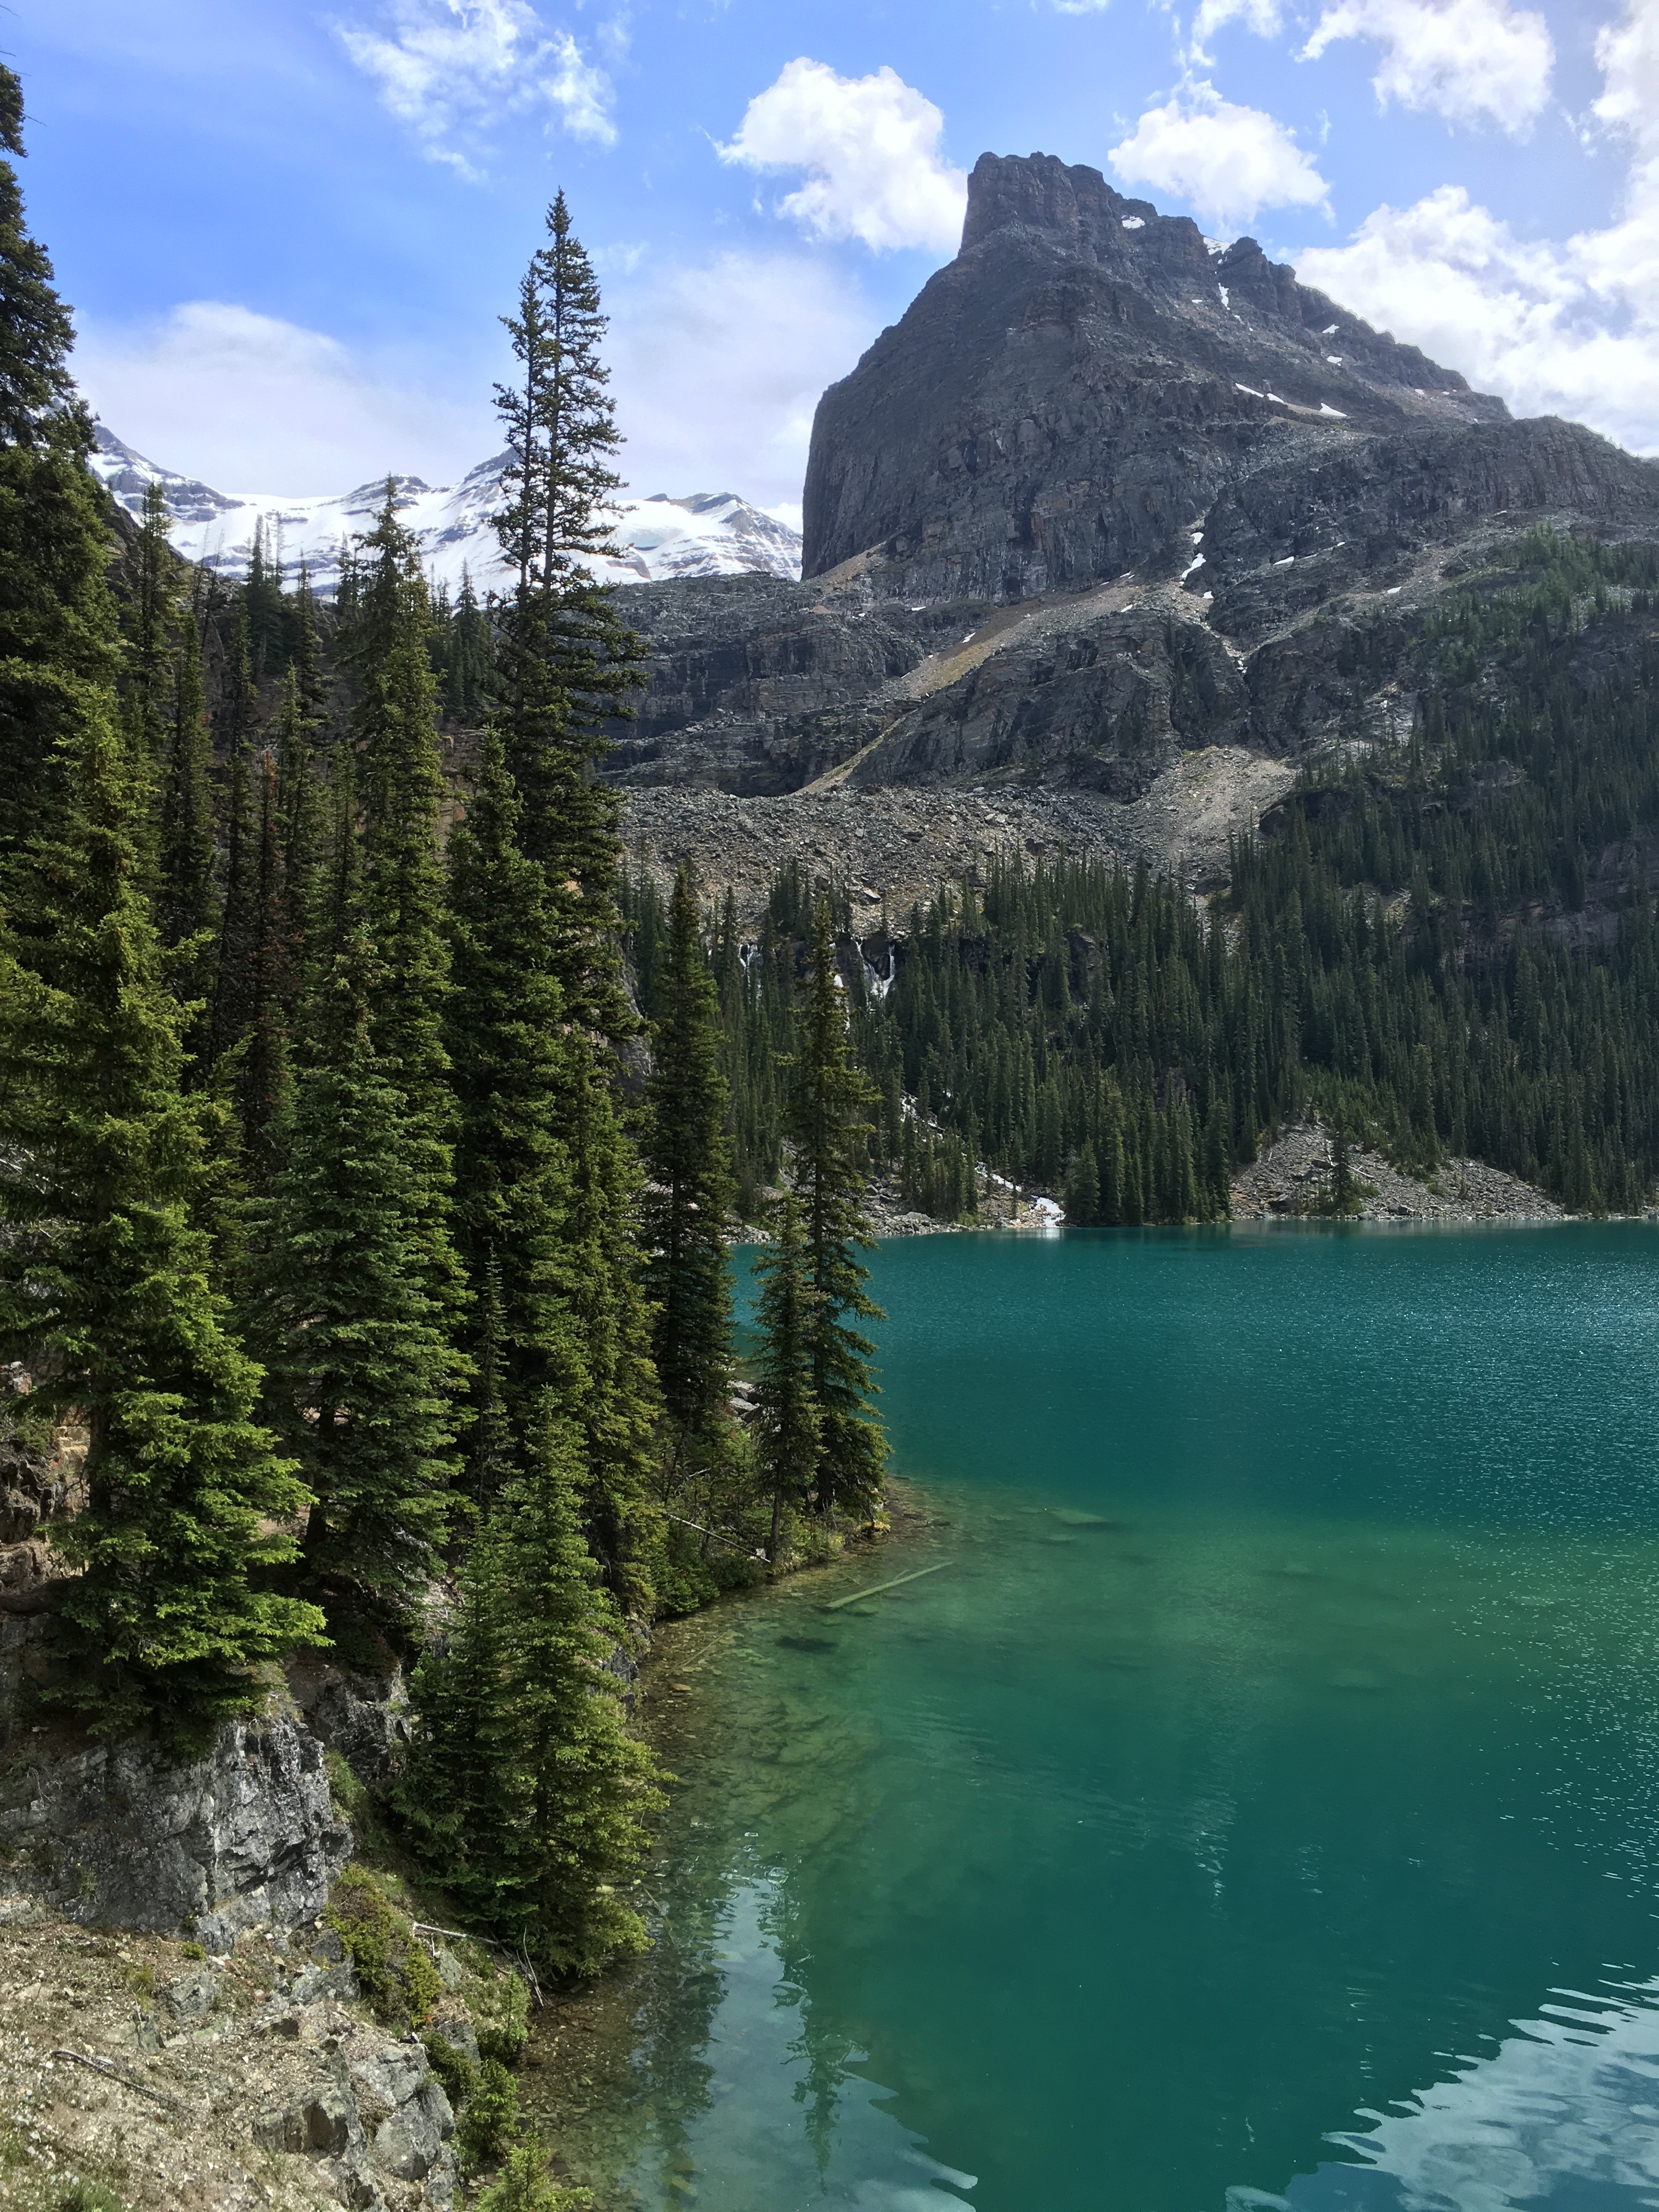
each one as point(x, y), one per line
point(287, 230)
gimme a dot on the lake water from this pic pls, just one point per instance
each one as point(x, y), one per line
point(1259, 1805)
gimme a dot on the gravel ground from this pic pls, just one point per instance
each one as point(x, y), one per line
point(135, 2068)
point(173, 2133)
point(1292, 1173)
point(901, 845)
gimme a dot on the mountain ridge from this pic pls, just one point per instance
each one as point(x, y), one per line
point(700, 534)
point(1071, 393)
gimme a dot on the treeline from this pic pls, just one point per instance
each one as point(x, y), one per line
point(394, 1323)
point(1421, 952)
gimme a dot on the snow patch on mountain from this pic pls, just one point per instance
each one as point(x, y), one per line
point(706, 534)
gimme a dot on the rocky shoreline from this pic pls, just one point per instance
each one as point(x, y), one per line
point(1292, 1173)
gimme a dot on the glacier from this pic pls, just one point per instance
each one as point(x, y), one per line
point(704, 534)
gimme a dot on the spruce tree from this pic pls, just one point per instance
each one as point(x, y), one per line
point(616, 1407)
point(185, 892)
point(786, 1418)
point(513, 1060)
point(57, 628)
point(362, 1372)
point(239, 919)
point(238, 705)
point(395, 726)
point(566, 660)
point(827, 1126)
point(687, 1195)
point(470, 657)
point(590, 1784)
point(262, 1080)
point(104, 1278)
point(462, 1791)
point(104, 1274)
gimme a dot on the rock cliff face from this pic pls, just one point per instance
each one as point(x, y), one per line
point(1069, 395)
point(1108, 496)
point(244, 1836)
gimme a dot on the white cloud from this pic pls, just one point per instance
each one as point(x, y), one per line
point(870, 148)
point(1264, 17)
point(249, 403)
point(717, 368)
point(448, 68)
point(1226, 162)
point(1628, 53)
point(1468, 60)
point(1556, 327)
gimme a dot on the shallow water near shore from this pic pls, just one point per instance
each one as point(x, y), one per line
point(1259, 1806)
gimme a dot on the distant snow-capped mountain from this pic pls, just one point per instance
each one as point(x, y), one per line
point(709, 534)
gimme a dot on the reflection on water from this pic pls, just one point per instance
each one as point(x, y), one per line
point(1566, 2112)
point(793, 2121)
point(1276, 1730)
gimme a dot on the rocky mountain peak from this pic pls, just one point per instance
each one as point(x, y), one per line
point(1037, 191)
point(1064, 401)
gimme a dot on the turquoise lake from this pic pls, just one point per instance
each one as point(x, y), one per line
point(1259, 1804)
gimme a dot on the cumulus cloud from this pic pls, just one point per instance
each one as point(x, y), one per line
point(717, 368)
point(249, 403)
point(870, 148)
point(1227, 162)
point(448, 68)
point(1264, 17)
point(1468, 60)
point(1569, 328)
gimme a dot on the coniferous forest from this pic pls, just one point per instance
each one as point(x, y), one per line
point(395, 1313)
point(1410, 948)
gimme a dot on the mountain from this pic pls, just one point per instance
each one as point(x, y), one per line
point(1067, 400)
point(708, 534)
point(1111, 534)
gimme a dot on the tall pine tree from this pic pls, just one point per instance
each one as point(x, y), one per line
point(58, 632)
point(513, 1061)
point(362, 1372)
point(829, 1101)
point(788, 1427)
point(395, 726)
point(566, 660)
point(687, 1195)
point(104, 1278)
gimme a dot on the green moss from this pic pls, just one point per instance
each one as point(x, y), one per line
point(348, 1794)
point(396, 1975)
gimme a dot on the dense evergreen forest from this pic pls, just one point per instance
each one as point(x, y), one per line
point(1425, 947)
point(395, 1321)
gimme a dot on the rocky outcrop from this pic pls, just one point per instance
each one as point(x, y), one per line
point(252, 2080)
point(756, 686)
point(116, 1834)
point(1069, 396)
point(1292, 1176)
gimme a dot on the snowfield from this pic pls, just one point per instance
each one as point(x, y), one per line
point(706, 534)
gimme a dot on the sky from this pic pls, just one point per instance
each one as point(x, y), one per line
point(288, 231)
